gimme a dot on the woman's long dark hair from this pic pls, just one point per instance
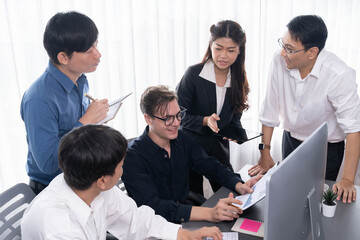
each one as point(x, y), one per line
point(239, 84)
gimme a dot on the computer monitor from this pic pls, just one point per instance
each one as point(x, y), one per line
point(294, 191)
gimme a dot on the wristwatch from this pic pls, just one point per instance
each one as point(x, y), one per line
point(263, 146)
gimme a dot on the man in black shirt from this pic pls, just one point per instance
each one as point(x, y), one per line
point(156, 167)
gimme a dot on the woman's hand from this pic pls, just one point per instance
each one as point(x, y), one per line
point(211, 122)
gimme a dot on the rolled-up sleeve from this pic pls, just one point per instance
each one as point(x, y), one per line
point(345, 99)
point(270, 110)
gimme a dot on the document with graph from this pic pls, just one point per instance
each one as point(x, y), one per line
point(259, 192)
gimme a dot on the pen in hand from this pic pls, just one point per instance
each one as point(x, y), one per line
point(90, 97)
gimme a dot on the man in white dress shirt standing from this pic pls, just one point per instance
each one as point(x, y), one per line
point(308, 86)
point(83, 202)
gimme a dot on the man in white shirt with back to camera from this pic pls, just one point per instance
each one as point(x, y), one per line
point(308, 86)
point(83, 202)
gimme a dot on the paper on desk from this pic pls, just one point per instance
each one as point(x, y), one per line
point(114, 107)
point(259, 191)
point(244, 172)
point(226, 236)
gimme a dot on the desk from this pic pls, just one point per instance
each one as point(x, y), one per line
point(344, 225)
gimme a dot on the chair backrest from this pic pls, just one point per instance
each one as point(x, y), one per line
point(13, 203)
point(129, 140)
point(120, 184)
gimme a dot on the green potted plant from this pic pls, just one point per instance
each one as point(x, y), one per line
point(329, 204)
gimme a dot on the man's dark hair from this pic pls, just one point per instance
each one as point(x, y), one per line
point(310, 30)
point(156, 99)
point(69, 32)
point(89, 152)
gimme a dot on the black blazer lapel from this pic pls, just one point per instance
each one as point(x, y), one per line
point(209, 92)
point(226, 113)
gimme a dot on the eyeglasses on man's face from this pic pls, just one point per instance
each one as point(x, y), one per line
point(169, 119)
point(287, 50)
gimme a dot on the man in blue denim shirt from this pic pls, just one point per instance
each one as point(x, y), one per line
point(55, 103)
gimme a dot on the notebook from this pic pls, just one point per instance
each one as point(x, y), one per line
point(249, 226)
point(114, 107)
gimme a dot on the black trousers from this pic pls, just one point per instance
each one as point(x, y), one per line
point(335, 154)
point(37, 187)
point(217, 148)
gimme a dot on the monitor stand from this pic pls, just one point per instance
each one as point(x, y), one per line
point(315, 216)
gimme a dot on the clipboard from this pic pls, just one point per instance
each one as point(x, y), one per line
point(241, 135)
point(114, 107)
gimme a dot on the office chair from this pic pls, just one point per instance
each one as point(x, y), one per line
point(120, 184)
point(196, 199)
point(13, 203)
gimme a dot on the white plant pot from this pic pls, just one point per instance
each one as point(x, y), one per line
point(328, 211)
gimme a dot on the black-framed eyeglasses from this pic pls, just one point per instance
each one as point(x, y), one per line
point(171, 118)
point(288, 51)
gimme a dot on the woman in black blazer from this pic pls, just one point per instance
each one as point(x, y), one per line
point(215, 92)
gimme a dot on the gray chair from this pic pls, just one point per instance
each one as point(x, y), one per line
point(120, 184)
point(13, 203)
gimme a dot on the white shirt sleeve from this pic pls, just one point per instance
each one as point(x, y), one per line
point(345, 100)
point(270, 110)
point(127, 221)
point(58, 213)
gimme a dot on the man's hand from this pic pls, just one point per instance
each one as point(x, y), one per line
point(214, 232)
point(96, 112)
point(265, 163)
point(346, 189)
point(211, 122)
point(225, 210)
point(247, 186)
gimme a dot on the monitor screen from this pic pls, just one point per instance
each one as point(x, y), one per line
point(294, 191)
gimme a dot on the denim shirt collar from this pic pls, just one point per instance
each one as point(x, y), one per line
point(64, 80)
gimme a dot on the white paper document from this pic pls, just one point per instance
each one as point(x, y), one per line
point(259, 191)
point(226, 236)
point(114, 107)
point(244, 172)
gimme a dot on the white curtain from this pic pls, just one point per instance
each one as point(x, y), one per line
point(150, 42)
